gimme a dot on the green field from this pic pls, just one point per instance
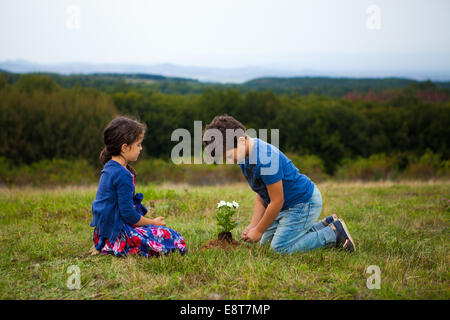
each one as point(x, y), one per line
point(403, 228)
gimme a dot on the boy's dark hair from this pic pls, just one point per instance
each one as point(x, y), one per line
point(121, 130)
point(222, 123)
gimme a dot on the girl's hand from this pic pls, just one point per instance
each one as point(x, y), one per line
point(159, 221)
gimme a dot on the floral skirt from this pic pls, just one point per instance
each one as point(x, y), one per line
point(147, 241)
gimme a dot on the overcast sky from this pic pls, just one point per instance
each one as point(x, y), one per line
point(358, 34)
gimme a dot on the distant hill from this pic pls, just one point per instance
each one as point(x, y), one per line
point(116, 81)
point(336, 87)
point(331, 86)
point(207, 74)
point(236, 75)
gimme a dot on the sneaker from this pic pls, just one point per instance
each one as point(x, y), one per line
point(343, 237)
point(326, 221)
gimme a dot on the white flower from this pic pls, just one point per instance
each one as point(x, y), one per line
point(221, 203)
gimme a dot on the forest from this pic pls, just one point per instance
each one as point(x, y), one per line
point(335, 126)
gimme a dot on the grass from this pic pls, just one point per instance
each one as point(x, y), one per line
point(401, 227)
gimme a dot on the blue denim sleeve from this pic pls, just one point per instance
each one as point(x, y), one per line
point(125, 190)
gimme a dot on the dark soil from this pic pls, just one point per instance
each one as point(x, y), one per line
point(224, 241)
point(225, 236)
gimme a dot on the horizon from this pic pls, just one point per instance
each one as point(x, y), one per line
point(352, 38)
point(35, 67)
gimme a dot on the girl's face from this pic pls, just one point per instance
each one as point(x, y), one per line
point(131, 152)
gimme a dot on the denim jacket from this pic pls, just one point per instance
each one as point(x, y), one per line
point(116, 202)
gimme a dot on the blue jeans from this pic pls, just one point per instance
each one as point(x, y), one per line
point(297, 229)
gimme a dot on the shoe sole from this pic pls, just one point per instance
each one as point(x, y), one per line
point(348, 234)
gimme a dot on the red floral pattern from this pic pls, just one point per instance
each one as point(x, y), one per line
point(146, 240)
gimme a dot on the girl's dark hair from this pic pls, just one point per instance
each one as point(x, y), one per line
point(121, 130)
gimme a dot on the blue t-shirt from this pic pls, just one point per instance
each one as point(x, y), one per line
point(268, 165)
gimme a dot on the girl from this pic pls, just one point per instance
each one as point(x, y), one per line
point(121, 227)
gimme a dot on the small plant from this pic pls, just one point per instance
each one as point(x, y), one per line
point(224, 218)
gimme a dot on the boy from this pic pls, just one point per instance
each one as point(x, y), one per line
point(287, 203)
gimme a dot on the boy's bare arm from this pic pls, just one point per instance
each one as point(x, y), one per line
point(258, 210)
point(273, 209)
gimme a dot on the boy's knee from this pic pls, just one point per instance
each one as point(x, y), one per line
point(266, 237)
point(281, 247)
point(264, 241)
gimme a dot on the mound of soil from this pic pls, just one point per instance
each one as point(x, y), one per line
point(224, 241)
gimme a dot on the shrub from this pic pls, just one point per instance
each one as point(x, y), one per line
point(6, 171)
point(376, 167)
point(159, 171)
point(49, 173)
point(310, 165)
point(428, 166)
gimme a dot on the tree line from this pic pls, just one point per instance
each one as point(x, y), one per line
point(42, 120)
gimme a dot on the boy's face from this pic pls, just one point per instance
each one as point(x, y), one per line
point(131, 152)
point(236, 155)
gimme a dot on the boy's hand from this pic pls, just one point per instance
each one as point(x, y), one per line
point(253, 235)
point(244, 233)
point(159, 221)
